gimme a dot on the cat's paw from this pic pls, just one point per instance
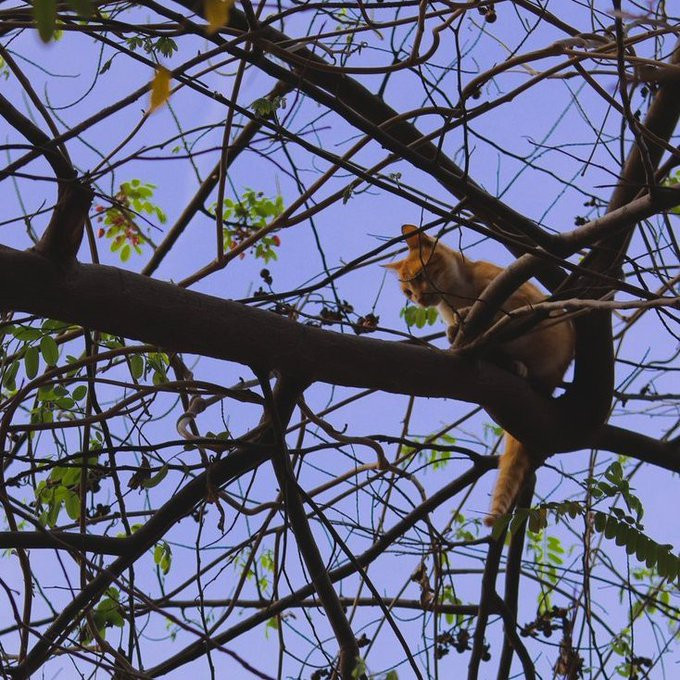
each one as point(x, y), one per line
point(455, 328)
point(452, 332)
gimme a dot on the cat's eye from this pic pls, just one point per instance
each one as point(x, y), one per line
point(407, 292)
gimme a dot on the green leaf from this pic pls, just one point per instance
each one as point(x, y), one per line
point(136, 366)
point(632, 541)
point(432, 315)
point(53, 325)
point(621, 534)
point(156, 479)
point(65, 403)
point(115, 618)
point(360, 668)
point(45, 16)
point(72, 505)
point(31, 362)
point(641, 548)
point(663, 563)
point(162, 556)
point(108, 612)
point(10, 375)
point(610, 528)
point(651, 554)
point(69, 476)
point(614, 472)
point(53, 514)
point(49, 350)
point(670, 566)
point(79, 392)
point(26, 333)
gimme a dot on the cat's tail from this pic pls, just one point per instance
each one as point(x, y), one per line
point(513, 469)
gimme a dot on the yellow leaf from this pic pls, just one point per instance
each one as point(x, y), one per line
point(160, 88)
point(216, 14)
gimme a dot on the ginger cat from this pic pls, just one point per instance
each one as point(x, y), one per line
point(434, 275)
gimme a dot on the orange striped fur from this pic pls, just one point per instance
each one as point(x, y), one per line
point(432, 274)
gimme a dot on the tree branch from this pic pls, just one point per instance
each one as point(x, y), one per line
point(158, 524)
point(311, 555)
point(137, 307)
point(513, 570)
point(487, 603)
point(444, 494)
point(63, 235)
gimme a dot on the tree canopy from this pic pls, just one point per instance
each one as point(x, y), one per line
point(228, 443)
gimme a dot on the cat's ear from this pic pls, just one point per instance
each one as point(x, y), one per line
point(394, 266)
point(414, 239)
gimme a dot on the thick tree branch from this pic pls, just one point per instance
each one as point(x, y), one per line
point(63, 235)
point(661, 119)
point(61, 240)
point(136, 307)
point(126, 304)
point(665, 454)
point(62, 540)
point(593, 383)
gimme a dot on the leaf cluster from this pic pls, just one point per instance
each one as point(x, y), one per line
point(244, 217)
point(120, 220)
point(419, 316)
point(61, 489)
point(106, 614)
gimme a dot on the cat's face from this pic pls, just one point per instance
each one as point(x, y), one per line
point(418, 271)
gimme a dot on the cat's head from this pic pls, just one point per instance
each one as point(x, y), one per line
point(419, 271)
